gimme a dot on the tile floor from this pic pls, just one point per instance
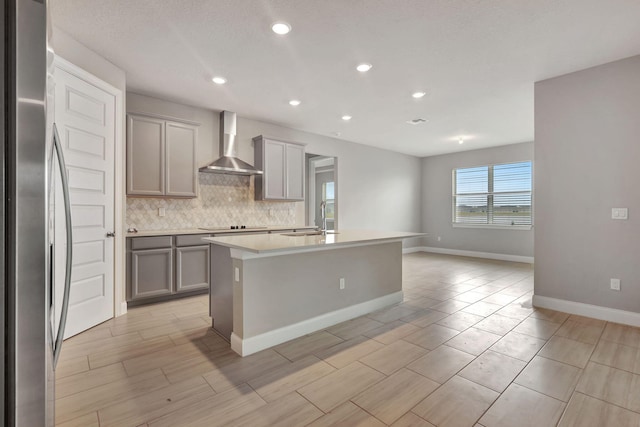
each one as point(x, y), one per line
point(465, 348)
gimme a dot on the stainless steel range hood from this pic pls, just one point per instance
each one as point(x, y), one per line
point(228, 163)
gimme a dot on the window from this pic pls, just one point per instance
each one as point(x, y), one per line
point(328, 196)
point(497, 195)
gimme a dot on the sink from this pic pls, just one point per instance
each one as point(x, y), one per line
point(308, 233)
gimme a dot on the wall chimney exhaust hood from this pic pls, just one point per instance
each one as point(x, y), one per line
point(228, 163)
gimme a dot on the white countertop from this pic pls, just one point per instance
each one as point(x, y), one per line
point(276, 242)
point(174, 232)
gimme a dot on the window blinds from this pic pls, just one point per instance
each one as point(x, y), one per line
point(493, 195)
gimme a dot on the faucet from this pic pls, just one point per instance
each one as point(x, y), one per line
point(323, 215)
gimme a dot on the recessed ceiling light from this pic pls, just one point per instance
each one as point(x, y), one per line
point(346, 118)
point(281, 28)
point(363, 68)
point(294, 102)
point(219, 80)
point(460, 141)
point(418, 95)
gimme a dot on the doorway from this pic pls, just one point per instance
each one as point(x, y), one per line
point(322, 186)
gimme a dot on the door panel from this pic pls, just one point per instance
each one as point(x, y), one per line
point(145, 156)
point(78, 140)
point(86, 179)
point(181, 159)
point(87, 289)
point(151, 273)
point(274, 180)
point(295, 172)
point(84, 106)
point(85, 116)
point(192, 268)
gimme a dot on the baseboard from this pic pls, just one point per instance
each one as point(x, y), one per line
point(250, 345)
point(594, 311)
point(412, 250)
point(123, 309)
point(474, 254)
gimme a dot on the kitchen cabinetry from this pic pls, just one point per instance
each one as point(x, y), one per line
point(171, 266)
point(282, 164)
point(151, 265)
point(161, 157)
point(165, 266)
point(192, 263)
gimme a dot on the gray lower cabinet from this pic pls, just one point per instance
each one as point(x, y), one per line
point(162, 267)
point(151, 273)
point(192, 268)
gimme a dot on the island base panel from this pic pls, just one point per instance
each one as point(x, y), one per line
point(277, 298)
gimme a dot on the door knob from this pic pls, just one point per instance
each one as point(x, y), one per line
point(111, 234)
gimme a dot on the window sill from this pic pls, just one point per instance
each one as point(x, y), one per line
point(494, 227)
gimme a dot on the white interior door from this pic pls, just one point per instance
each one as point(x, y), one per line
point(85, 117)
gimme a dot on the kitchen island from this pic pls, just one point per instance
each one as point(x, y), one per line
point(270, 288)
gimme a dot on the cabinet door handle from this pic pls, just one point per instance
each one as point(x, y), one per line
point(111, 234)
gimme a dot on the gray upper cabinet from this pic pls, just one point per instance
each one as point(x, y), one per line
point(282, 164)
point(295, 172)
point(182, 171)
point(274, 168)
point(145, 156)
point(161, 157)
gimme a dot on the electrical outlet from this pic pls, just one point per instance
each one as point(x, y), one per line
point(342, 283)
point(439, 238)
point(271, 212)
point(236, 274)
point(615, 284)
point(619, 213)
point(162, 212)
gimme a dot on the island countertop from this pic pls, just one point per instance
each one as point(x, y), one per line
point(281, 242)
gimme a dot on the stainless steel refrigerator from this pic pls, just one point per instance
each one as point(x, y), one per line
point(33, 188)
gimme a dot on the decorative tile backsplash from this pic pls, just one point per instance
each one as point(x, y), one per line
point(223, 200)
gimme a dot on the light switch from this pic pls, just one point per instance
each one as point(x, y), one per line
point(619, 213)
point(615, 284)
point(236, 274)
point(162, 212)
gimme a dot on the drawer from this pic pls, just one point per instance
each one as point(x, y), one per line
point(150, 242)
point(191, 240)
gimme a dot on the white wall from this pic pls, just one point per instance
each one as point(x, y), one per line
point(377, 189)
point(437, 203)
point(80, 55)
point(587, 157)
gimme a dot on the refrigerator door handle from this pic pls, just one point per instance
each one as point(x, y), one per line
point(57, 346)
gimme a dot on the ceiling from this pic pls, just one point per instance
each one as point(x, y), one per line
point(476, 59)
